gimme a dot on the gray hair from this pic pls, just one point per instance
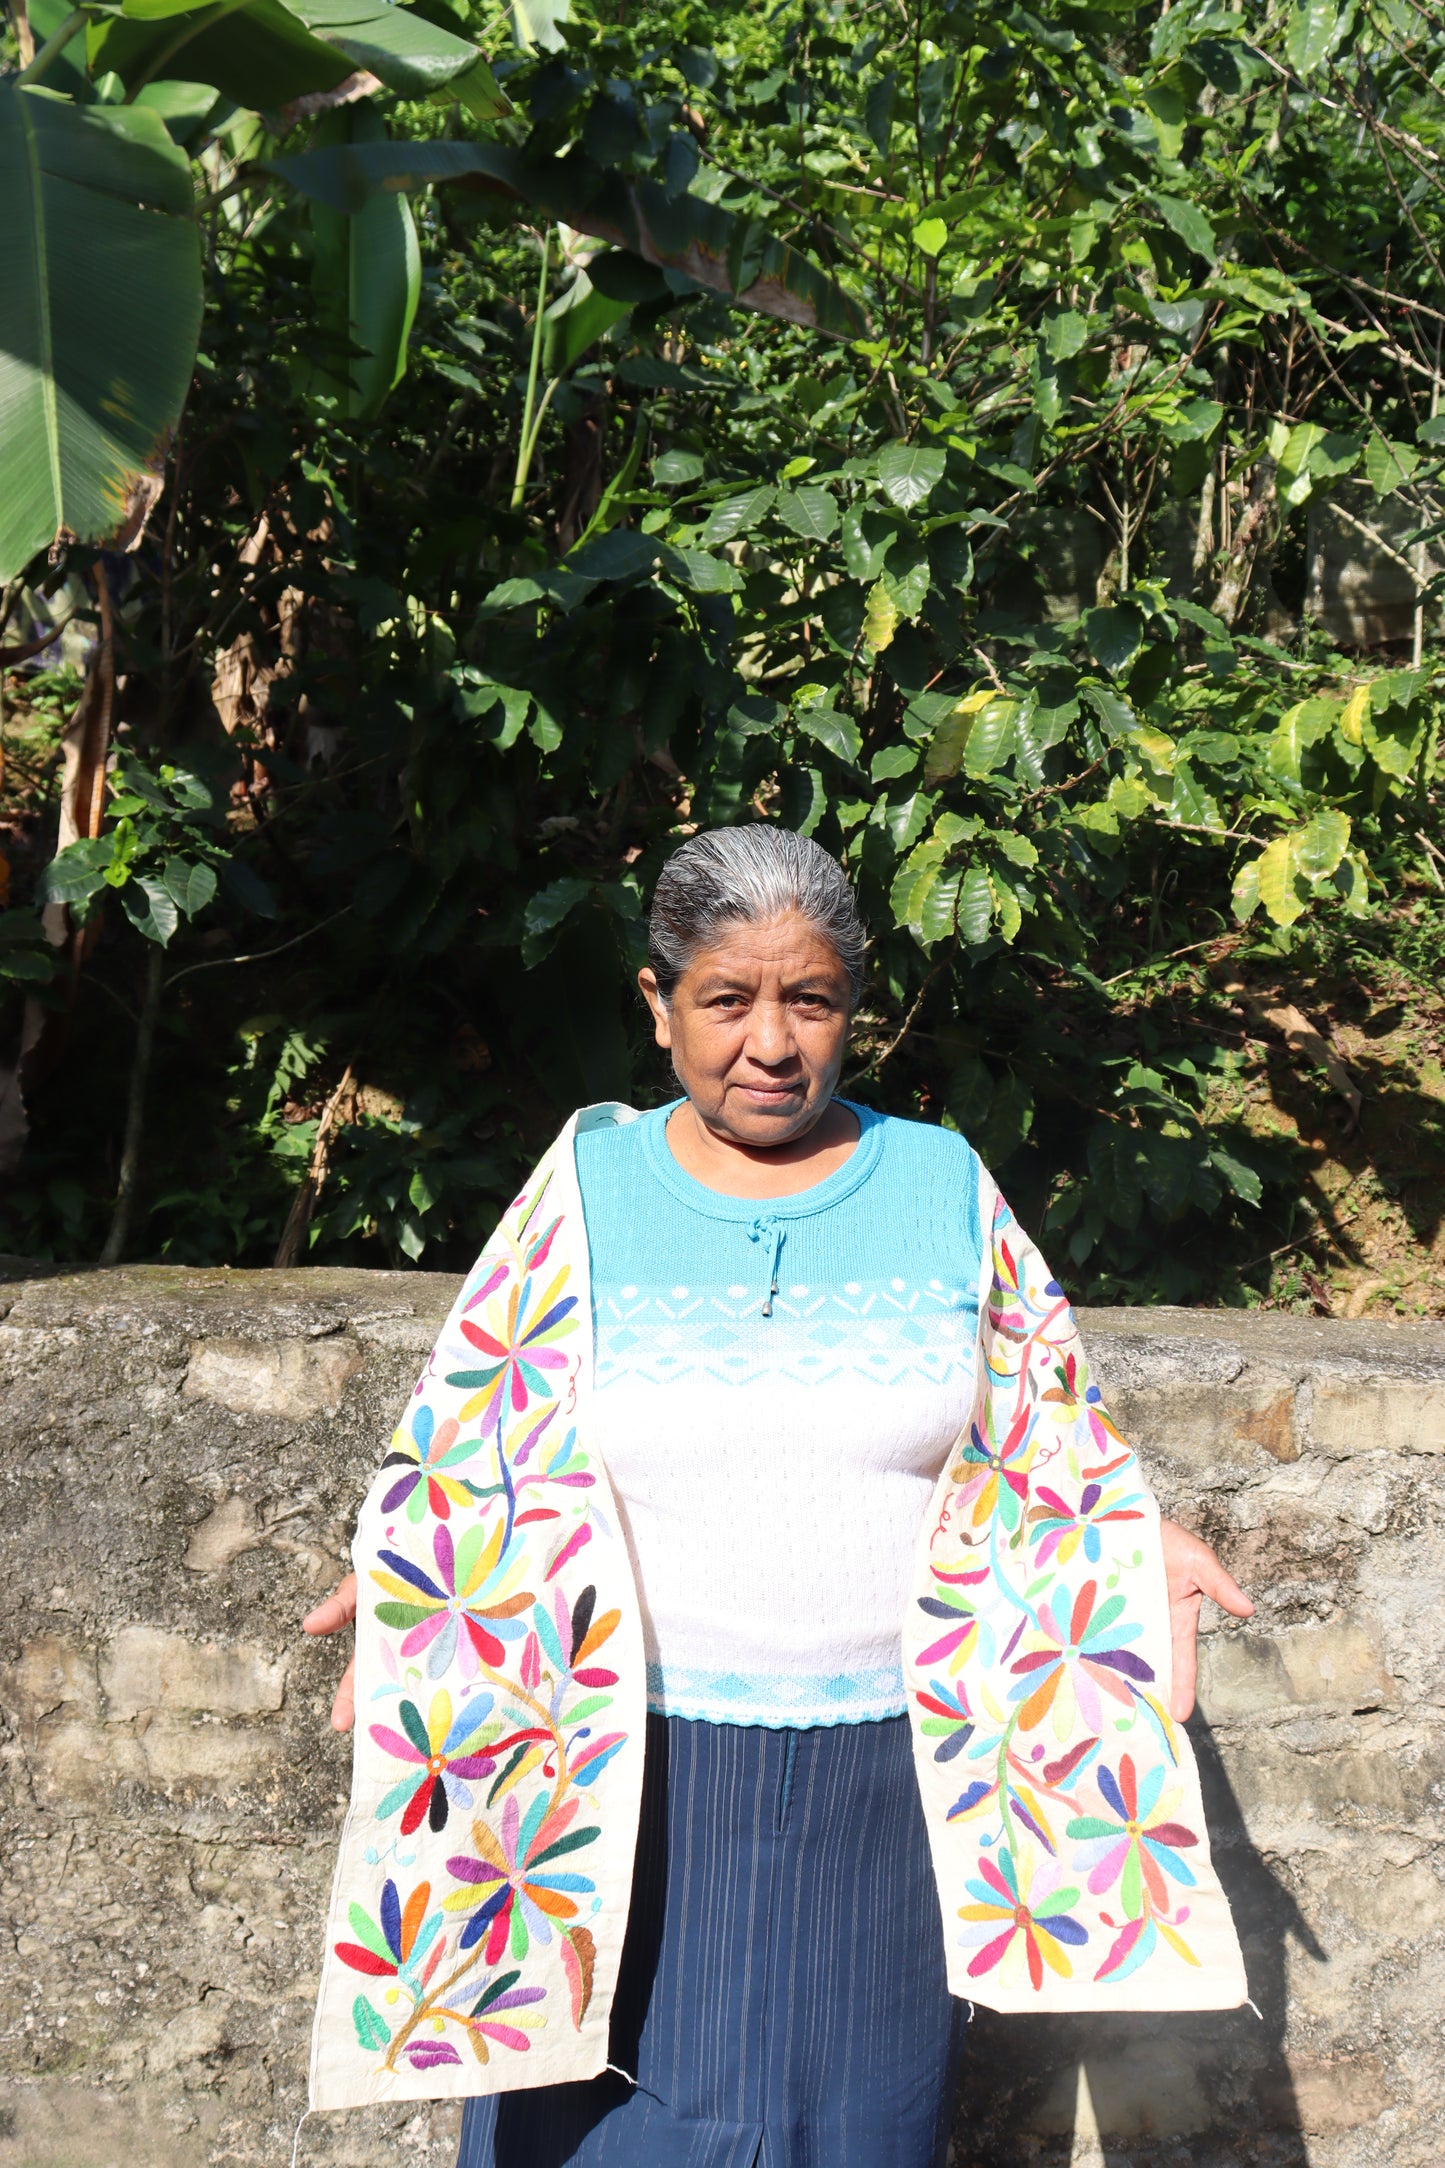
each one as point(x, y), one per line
point(744, 876)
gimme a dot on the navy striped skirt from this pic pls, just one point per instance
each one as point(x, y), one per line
point(781, 1999)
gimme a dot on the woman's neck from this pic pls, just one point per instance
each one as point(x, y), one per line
point(735, 1169)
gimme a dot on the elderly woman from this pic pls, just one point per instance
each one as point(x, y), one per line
point(759, 1414)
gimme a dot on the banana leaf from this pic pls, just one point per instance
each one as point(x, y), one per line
point(676, 233)
point(366, 277)
point(574, 322)
point(263, 53)
point(100, 310)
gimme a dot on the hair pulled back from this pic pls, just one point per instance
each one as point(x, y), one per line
point(745, 876)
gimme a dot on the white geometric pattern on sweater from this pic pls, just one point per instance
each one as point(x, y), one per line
point(886, 1333)
point(713, 1417)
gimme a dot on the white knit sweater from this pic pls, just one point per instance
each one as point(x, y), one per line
point(754, 1358)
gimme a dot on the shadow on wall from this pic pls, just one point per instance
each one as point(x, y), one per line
point(1211, 2090)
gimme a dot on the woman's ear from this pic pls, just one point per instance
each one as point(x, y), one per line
point(662, 1025)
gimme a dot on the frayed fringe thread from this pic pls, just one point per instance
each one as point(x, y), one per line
point(616, 2070)
point(1251, 2004)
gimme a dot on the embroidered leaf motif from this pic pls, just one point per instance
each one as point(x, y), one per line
point(579, 1956)
point(371, 2030)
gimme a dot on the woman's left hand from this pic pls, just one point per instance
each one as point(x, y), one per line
point(329, 1617)
point(1192, 1572)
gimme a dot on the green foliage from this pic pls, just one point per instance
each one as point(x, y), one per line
point(977, 550)
point(265, 53)
point(106, 189)
point(164, 852)
point(366, 277)
point(25, 958)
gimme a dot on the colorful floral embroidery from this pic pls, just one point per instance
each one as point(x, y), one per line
point(515, 1889)
point(1023, 1919)
point(523, 1357)
point(403, 1946)
point(427, 1455)
point(445, 1751)
point(1075, 1660)
point(1029, 1674)
point(1133, 1843)
point(467, 1611)
point(1061, 1528)
point(495, 1681)
point(493, 1823)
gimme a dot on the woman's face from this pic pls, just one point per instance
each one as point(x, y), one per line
point(756, 1027)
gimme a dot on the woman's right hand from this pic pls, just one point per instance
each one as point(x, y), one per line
point(338, 1610)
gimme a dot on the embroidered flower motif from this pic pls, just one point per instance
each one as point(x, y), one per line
point(406, 1946)
point(444, 1751)
point(571, 1635)
point(395, 1945)
point(468, 1611)
point(426, 1455)
point(1059, 1528)
point(521, 1350)
point(993, 1477)
point(485, 2021)
point(1082, 1656)
point(1022, 1918)
point(513, 1890)
point(1075, 1395)
point(1134, 1842)
point(1011, 1297)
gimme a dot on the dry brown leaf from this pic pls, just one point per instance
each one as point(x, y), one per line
point(241, 681)
point(360, 85)
point(143, 494)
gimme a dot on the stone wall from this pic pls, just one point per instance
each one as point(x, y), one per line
point(1365, 566)
point(183, 1455)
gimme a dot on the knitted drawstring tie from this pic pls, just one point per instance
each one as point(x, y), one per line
point(763, 1230)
